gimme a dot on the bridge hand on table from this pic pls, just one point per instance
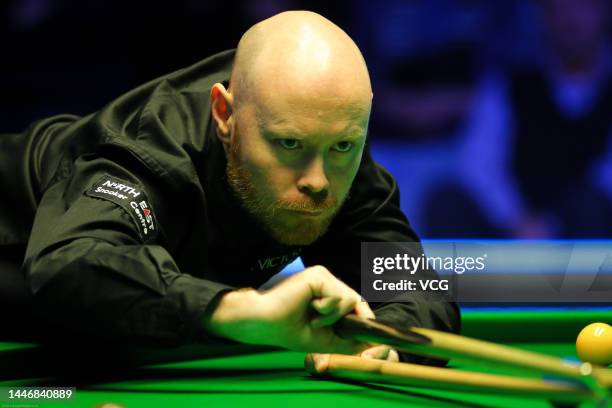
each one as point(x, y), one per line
point(317, 363)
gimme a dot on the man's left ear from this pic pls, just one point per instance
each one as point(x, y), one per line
point(221, 102)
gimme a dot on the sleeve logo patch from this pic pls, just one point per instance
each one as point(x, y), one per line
point(129, 197)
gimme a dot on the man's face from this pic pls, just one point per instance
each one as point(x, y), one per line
point(292, 162)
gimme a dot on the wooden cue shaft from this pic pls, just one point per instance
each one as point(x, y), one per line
point(372, 370)
point(604, 376)
point(454, 346)
point(433, 343)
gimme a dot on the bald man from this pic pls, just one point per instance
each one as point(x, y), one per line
point(151, 220)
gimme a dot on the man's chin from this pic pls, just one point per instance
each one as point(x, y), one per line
point(299, 235)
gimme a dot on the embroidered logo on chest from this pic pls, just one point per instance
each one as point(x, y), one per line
point(278, 261)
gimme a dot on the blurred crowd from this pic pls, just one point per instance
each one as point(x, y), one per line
point(496, 117)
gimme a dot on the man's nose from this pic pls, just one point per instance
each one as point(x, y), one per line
point(313, 181)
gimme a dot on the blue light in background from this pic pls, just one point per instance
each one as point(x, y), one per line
point(583, 253)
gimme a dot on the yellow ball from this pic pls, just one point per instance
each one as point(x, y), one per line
point(594, 344)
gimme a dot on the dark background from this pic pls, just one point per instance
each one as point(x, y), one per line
point(494, 116)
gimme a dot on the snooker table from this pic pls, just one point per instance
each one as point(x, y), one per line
point(248, 376)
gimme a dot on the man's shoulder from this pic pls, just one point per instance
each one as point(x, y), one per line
point(164, 119)
point(200, 76)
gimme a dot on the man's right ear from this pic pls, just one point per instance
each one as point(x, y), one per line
point(221, 102)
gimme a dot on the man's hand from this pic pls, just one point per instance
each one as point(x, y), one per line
point(317, 363)
point(297, 314)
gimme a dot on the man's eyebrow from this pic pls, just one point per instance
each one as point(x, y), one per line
point(353, 133)
point(284, 133)
point(356, 133)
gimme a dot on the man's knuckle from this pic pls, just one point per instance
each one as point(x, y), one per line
point(319, 272)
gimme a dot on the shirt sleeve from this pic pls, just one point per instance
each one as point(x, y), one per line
point(99, 262)
point(372, 214)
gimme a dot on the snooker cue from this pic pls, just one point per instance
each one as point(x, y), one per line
point(604, 375)
point(433, 343)
point(372, 370)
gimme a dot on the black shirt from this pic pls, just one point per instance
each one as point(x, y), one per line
point(133, 234)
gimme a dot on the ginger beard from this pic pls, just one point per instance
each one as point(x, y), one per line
point(274, 214)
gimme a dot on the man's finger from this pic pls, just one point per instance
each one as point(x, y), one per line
point(344, 307)
point(326, 320)
point(362, 309)
point(376, 352)
point(393, 356)
point(325, 305)
point(316, 363)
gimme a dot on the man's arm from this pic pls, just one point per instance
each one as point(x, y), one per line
point(95, 270)
point(372, 214)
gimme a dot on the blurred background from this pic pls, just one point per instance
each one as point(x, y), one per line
point(495, 117)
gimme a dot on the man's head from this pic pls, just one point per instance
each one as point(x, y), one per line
point(293, 123)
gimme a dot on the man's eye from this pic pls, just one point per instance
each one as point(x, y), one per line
point(289, 144)
point(343, 147)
